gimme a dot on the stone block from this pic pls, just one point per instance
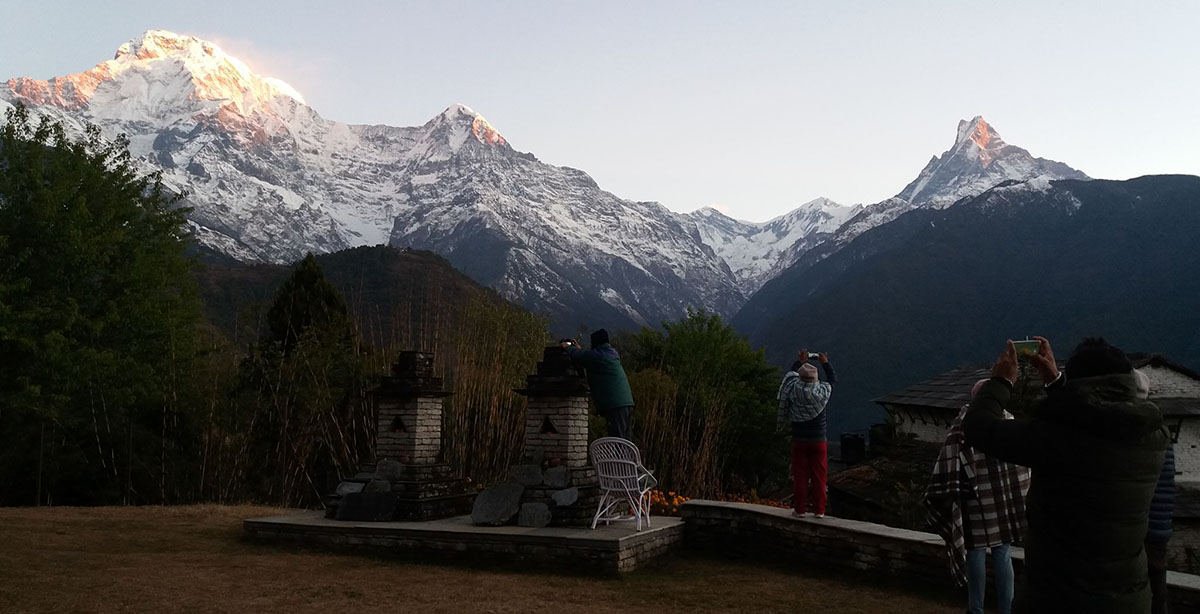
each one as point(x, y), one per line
point(346, 488)
point(565, 497)
point(496, 506)
point(536, 515)
point(557, 477)
point(526, 475)
point(389, 470)
point(378, 485)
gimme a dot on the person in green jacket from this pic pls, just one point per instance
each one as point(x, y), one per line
point(1096, 451)
point(606, 378)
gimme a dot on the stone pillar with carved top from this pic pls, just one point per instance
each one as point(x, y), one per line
point(409, 480)
point(408, 410)
point(556, 417)
point(555, 470)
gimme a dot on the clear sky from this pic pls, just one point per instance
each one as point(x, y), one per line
point(750, 107)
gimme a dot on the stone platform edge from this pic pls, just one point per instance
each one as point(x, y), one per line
point(613, 549)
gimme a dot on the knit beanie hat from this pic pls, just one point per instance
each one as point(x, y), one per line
point(599, 337)
point(808, 372)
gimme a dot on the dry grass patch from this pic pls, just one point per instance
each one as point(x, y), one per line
point(192, 559)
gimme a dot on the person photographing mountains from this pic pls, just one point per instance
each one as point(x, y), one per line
point(606, 377)
point(802, 399)
point(1096, 449)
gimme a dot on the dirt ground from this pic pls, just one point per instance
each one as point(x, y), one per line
point(192, 559)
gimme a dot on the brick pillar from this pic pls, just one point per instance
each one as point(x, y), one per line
point(408, 407)
point(556, 418)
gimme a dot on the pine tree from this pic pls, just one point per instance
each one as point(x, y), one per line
point(307, 303)
point(307, 379)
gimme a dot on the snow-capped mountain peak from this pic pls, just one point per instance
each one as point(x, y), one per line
point(461, 116)
point(160, 75)
point(978, 160)
point(216, 74)
point(976, 138)
point(755, 252)
point(456, 131)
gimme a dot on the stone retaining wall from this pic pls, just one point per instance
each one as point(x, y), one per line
point(836, 544)
point(832, 544)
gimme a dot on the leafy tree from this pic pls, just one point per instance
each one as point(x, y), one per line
point(97, 319)
point(706, 405)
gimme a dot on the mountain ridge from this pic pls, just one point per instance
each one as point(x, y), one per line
point(269, 179)
point(940, 288)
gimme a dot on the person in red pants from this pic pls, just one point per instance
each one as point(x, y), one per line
point(802, 399)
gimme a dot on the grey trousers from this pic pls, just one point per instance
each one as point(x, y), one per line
point(620, 422)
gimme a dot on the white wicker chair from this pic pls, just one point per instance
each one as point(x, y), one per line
point(623, 479)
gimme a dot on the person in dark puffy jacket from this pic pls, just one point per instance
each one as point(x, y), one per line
point(1096, 451)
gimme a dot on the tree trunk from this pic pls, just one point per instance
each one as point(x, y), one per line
point(128, 462)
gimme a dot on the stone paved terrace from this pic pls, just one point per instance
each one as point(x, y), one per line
point(753, 532)
point(615, 548)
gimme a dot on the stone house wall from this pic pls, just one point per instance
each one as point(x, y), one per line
point(1187, 452)
point(924, 431)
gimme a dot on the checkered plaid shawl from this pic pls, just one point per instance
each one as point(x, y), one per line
point(973, 499)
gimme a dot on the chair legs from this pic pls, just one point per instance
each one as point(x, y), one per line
point(639, 505)
point(601, 508)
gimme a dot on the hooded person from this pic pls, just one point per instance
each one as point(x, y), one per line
point(1096, 450)
point(606, 378)
point(802, 399)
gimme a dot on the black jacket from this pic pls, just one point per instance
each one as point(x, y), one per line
point(1096, 452)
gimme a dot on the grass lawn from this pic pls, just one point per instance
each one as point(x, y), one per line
point(192, 559)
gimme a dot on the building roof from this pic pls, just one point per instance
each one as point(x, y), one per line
point(950, 390)
point(1141, 359)
point(875, 480)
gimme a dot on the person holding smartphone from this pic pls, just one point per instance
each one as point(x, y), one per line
point(802, 399)
point(1096, 450)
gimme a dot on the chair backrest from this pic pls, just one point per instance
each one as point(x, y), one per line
point(617, 461)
